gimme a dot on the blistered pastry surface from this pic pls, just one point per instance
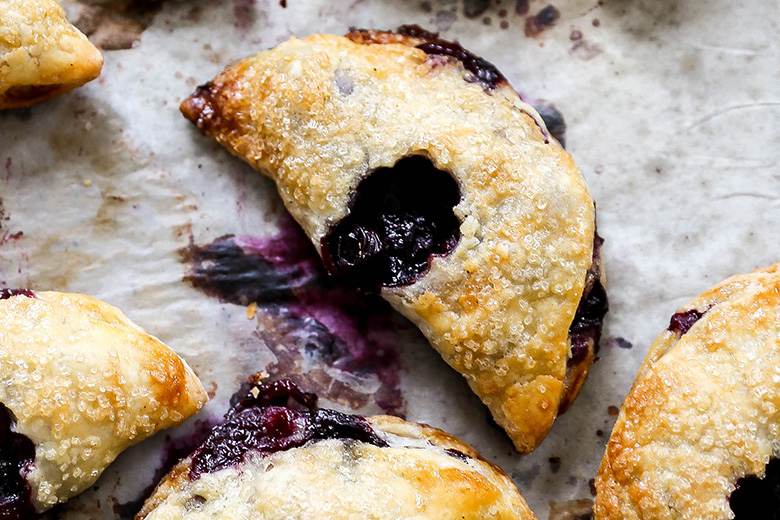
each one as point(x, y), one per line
point(319, 114)
point(84, 383)
point(412, 478)
point(703, 411)
point(41, 54)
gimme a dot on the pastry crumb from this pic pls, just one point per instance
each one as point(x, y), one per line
point(251, 311)
point(87, 182)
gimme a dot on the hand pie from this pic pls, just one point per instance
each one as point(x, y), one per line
point(419, 173)
point(697, 431)
point(41, 54)
point(80, 383)
point(277, 456)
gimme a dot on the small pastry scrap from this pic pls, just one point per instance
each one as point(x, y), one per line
point(698, 435)
point(41, 54)
point(278, 456)
point(418, 173)
point(80, 383)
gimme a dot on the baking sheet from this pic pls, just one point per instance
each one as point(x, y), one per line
point(673, 113)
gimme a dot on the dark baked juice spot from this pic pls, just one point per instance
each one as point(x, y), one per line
point(7, 293)
point(17, 454)
point(399, 218)
point(758, 499)
point(268, 417)
point(681, 322)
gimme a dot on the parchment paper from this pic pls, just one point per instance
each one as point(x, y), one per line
point(673, 112)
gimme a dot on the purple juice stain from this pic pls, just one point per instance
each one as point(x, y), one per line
point(7, 293)
point(399, 218)
point(474, 8)
point(245, 14)
point(758, 499)
point(242, 270)
point(304, 312)
point(17, 455)
point(268, 417)
point(681, 322)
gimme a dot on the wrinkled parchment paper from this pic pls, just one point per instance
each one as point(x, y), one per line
point(673, 113)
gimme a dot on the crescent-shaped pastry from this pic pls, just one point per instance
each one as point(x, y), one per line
point(419, 173)
point(41, 54)
point(79, 383)
point(698, 429)
point(277, 456)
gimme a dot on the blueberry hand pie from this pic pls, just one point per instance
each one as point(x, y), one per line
point(699, 433)
point(278, 456)
point(420, 174)
point(79, 383)
point(41, 54)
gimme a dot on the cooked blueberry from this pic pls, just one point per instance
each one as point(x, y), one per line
point(357, 246)
point(17, 454)
point(758, 499)
point(399, 217)
point(683, 321)
point(264, 421)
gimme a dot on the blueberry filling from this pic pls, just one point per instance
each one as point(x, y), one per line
point(399, 218)
point(268, 417)
point(17, 454)
point(7, 293)
point(585, 329)
point(758, 499)
point(681, 322)
point(484, 72)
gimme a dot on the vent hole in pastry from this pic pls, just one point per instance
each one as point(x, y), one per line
point(399, 218)
point(17, 453)
point(758, 499)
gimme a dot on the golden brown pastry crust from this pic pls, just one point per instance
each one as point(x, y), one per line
point(83, 383)
point(704, 410)
point(41, 54)
point(319, 114)
point(337, 479)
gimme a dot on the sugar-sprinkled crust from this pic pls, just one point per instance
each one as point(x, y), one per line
point(83, 383)
point(414, 477)
point(41, 54)
point(704, 410)
point(320, 114)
